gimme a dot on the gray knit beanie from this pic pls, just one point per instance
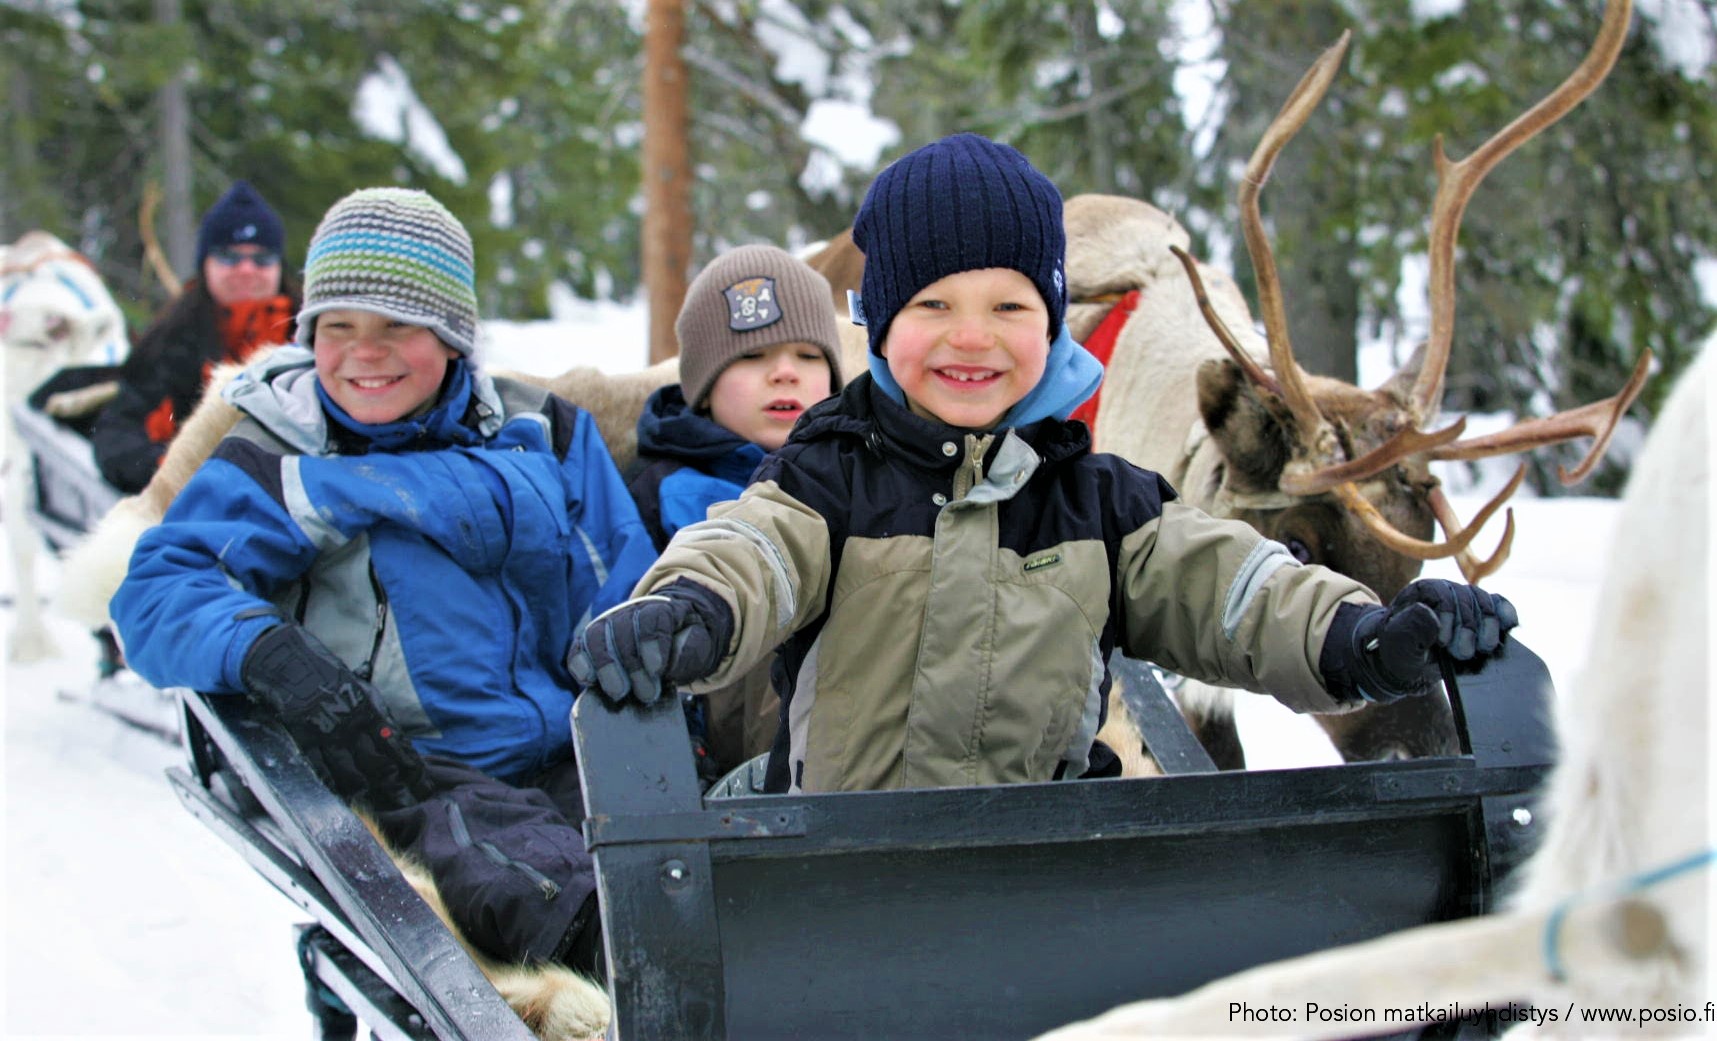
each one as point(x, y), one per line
point(396, 252)
point(748, 299)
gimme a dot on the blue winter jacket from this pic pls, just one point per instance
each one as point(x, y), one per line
point(451, 557)
point(691, 461)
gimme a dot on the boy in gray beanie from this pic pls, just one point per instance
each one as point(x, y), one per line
point(391, 553)
point(945, 564)
point(758, 346)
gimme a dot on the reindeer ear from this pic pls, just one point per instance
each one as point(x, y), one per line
point(1251, 436)
point(1399, 387)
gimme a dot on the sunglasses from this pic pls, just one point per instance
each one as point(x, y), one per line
point(230, 257)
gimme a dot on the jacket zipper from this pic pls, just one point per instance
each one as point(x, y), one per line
point(368, 668)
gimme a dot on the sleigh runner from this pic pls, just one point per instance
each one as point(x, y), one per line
point(983, 913)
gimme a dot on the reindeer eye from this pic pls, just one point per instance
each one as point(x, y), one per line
point(1301, 551)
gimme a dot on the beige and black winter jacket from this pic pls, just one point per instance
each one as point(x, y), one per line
point(946, 601)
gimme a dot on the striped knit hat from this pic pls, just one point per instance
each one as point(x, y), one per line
point(396, 252)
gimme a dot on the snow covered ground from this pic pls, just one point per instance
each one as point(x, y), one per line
point(124, 917)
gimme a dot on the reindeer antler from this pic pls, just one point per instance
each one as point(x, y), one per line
point(1597, 420)
point(151, 244)
point(1317, 466)
point(1457, 181)
point(1314, 433)
point(1472, 568)
point(1230, 343)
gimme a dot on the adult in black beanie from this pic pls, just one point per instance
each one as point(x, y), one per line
point(239, 300)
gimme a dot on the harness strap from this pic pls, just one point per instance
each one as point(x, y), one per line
point(32, 262)
point(1101, 343)
point(1643, 880)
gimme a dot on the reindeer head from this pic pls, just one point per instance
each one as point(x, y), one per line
point(52, 302)
point(1341, 475)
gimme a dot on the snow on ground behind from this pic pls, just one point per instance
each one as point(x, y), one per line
point(124, 916)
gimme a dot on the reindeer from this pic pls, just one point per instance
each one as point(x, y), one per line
point(1616, 907)
point(1339, 475)
point(54, 312)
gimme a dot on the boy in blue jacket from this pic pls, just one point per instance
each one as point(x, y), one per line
point(945, 564)
point(758, 346)
point(392, 551)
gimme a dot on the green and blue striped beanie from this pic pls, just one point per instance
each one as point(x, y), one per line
point(396, 252)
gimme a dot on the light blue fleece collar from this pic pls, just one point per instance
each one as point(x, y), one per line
point(1071, 375)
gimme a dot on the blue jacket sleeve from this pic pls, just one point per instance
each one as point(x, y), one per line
point(193, 601)
point(612, 549)
point(687, 494)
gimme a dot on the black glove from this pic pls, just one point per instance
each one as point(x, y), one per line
point(1394, 648)
point(336, 718)
point(678, 634)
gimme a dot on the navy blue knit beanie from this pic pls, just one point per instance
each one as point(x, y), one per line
point(959, 204)
point(239, 218)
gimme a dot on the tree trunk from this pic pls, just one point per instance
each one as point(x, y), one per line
point(667, 173)
point(1099, 142)
point(23, 147)
point(176, 159)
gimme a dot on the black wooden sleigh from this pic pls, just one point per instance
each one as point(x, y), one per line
point(953, 913)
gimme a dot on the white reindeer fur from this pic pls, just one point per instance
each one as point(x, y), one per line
point(557, 1003)
point(1149, 414)
point(56, 313)
point(1632, 792)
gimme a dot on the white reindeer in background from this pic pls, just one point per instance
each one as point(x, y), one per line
point(54, 312)
point(1615, 909)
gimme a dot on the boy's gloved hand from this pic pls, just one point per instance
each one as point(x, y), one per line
point(1394, 647)
point(678, 633)
point(336, 718)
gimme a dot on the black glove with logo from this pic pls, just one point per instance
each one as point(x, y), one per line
point(1393, 650)
point(678, 634)
point(336, 718)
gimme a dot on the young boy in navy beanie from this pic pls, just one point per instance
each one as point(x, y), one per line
point(946, 563)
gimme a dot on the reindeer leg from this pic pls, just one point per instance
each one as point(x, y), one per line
point(30, 640)
point(1209, 712)
point(1221, 738)
point(1409, 729)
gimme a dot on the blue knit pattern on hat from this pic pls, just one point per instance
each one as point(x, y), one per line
point(396, 252)
point(959, 204)
point(239, 218)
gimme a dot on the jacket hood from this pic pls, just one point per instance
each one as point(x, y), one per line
point(281, 392)
point(669, 427)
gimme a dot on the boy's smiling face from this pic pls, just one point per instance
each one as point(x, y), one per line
point(378, 369)
point(762, 393)
point(969, 347)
